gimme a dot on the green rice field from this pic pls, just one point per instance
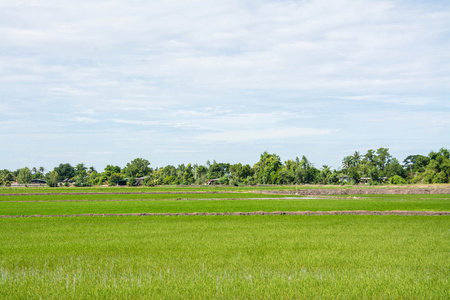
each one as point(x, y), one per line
point(217, 202)
point(223, 257)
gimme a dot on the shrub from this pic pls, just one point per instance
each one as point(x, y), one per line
point(440, 178)
point(132, 181)
point(396, 179)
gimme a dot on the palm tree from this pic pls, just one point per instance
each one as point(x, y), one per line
point(356, 157)
point(347, 162)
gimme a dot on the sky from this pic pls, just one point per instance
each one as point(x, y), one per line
point(105, 82)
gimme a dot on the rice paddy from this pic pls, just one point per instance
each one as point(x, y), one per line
point(223, 257)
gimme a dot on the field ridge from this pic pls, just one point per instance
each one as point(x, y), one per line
point(291, 213)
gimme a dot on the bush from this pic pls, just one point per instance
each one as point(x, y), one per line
point(169, 180)
point(396, 179)
point(440, 178)
point(223, 180)
point(418, 178)
point(234, 182)
point(132, 181)
point(428, 178)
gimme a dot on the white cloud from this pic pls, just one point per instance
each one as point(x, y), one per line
point(238, 136)
point(85, 120)
point(393, 99)
point(222, 71)
point(337, 45)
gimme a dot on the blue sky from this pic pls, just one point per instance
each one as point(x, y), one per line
point(104, 82)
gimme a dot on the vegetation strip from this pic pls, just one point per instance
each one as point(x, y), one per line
point(291, 213)
point(120, 193)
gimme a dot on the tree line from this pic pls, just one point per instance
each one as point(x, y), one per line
point(374, 167)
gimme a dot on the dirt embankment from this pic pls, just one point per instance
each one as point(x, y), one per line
point(262, 213)
point(330, 192)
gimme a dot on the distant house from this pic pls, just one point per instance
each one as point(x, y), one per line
point(343, 178)
point(38, 181)
point(365, 180)
point(140, 180)
point(212, 181)
point(122, 182)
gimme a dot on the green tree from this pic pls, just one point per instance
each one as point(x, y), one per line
point(218, 170)
point(188, 175)
point(285, 176)
point(65, 171)
point(114, 179)
point(438, 169)
point(95, 178)
point(369, 157)
point(326, 176)
point(37, 175)
point(52, 178)
point(80, 170)
point(305, 172)
point(24, 176)
point(267, 167)
point(240, 172)
point(383, 158)
point(416, 163)
point(109, 169)
point(202, 171)
point(6, 177)
point(138, 167)
point(394, 168)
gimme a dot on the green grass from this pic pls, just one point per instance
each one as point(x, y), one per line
point(169, 188)
point(226, 257)
point(192, 204)
point(222, 257)
point(105, 197)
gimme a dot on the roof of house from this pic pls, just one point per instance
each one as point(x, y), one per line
point(38, 181)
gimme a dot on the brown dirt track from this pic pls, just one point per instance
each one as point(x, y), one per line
point(291, 213)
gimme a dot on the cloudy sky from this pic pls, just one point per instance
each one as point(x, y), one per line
point(104, 82)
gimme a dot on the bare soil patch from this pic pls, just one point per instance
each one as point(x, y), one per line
point(290, 213)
